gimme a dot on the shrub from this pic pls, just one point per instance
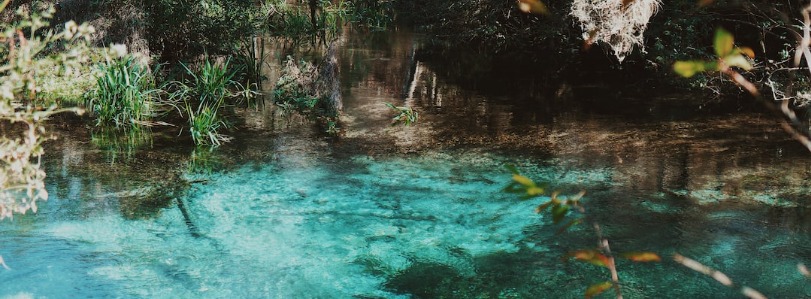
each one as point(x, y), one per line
point(184, 29)
point(22, 55)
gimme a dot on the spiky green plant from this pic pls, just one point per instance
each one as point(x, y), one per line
point(202, 95)
point(124, 94)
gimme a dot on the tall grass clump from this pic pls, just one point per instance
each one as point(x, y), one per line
point(202, 96)
point(124, 94)
point(294, 20)
point(371, 13)
point(250, 60)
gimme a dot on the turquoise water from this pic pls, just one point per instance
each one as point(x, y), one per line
point(427, 225)
point(418, 212)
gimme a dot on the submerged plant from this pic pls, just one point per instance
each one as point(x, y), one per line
point(124, 93)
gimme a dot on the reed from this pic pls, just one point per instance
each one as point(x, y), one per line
point(124, 94)
point(201, 96)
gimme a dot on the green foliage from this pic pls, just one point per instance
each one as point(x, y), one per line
point(728, 56)
point(184, 29)
point(372, 13)
point(250, 60)
point(23, 54)
point(124, 94)
point(295, 20)
point(405, 115)
point(202, 96)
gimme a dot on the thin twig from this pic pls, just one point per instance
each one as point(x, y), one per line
point(715, 274)
point(611, 265)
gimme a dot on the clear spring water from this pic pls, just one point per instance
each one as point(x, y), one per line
point(418, 212)
point(429, 226)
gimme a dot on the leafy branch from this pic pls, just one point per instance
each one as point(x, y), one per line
point(730, 56)
point(561, 206)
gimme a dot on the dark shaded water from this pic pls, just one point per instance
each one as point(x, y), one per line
point(418, 212)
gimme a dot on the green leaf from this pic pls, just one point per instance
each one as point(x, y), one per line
point(738, 61)
point(525, 181)
point(642, 257)
point(724, 42)
point(534, 191)
point(558, 212)
point(511, 168)
point(598, 289)
point(689, 68)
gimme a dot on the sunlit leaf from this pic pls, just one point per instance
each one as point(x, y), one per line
point(525, 181)
point(534, 191)
point(745, 51)
point(689, 68)
point(533, 6)
point(598, 289)
point(724, 42)
point(558, 212)
point(642, 257)
point(590, 256)
point(738, 61)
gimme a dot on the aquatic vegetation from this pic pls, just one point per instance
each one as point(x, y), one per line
point(202, 95)
point(372, 13)
point(250, 59)
point(124, 94)
point(117, 142)
point(294, 20)
point(405, 115)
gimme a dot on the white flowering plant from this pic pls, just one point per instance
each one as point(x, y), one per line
point(27, 47)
